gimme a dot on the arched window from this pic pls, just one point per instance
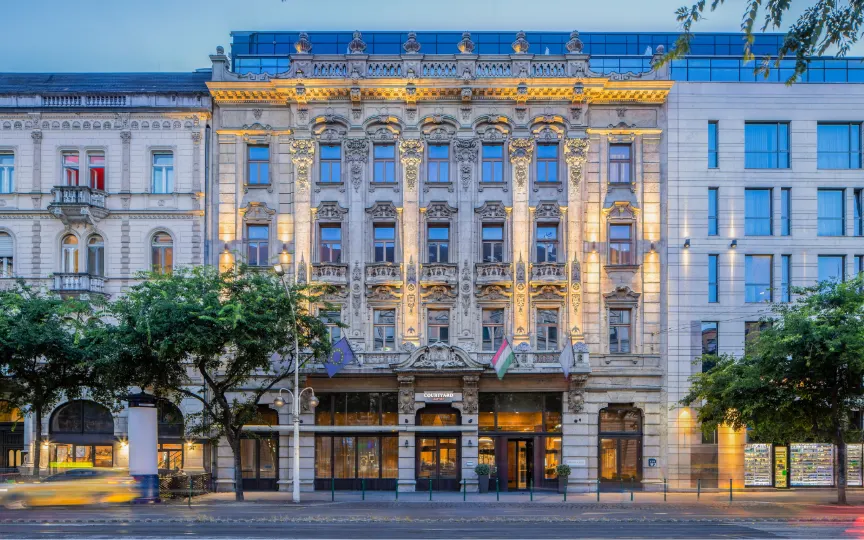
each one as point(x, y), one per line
point(96, 256)
point(69, 263)
point(169, 420)
point(162, 253)
point(6, 255)
point(82, 416)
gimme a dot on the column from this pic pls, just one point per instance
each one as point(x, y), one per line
point(575, 153)
point(143, 445)
point(411, 151)
point(407, 458)
point(302, 152)
point(470, 442)
point(125, 171)
point(357, 156)
point(521, 151)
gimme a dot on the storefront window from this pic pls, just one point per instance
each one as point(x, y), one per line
point(170, 457)
point(357, 409)
point(552, 457)
point(486, 419)
point(521, 412)
point(73, 456)
point(353, 457)
point(439, 419)
point(620, 420)
point(486, 451)
point(344, 459)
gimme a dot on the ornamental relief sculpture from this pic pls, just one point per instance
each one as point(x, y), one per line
point(357, 155)
point(411, 151)
point(466, 155)
point(521, 151)
point(575, 155)
point(302, 152)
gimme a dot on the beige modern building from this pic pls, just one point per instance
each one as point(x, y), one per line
point(454, 200)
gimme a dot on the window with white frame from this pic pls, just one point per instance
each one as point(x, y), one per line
point(96, 169)
point(620, 164)
point(258, 245)
point(162, 253)
point(7, 172)
point(69, 254)
point(547, 242)
point(438, 325)
point(7, 268)
point(492, 328)
point(70, 165)
point(96, 255)
point(621, 244)
point(163, 172)
point(547, 329)
point(619, 331)
point(384, 329)
point(330, 243)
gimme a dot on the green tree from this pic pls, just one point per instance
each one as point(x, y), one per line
point(826, 26)
point(222, 339)
point(801, 379)
point(44, 352)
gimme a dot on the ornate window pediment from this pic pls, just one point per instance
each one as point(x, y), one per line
point(439, 357)
point(621, 211)
point(548, 211)
point(622, 297)
point(258, 212)
point(438, 128)
point(440, 211)
point(493, 293)
point(491, 211)
point(330, 211)
point(382, 210)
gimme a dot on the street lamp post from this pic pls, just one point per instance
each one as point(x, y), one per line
point(295, 395)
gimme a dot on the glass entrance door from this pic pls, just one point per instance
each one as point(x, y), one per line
point(520, 464)
point(259, 462)
point(438, 463)
point(620, 461)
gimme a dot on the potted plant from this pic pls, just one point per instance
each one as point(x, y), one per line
point(563, 471)
point(483, 471)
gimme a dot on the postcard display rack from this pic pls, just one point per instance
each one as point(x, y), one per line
point(853, 465)
point(757, 465)
point(781, 467)
point(811, 464)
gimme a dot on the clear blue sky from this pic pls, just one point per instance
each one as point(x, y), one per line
point(177, 35)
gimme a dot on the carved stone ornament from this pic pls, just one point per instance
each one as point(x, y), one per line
point(356, 288)
point(258, 212)
point(574, 45)
point(412, 46)
point(575, 271)
point(575, 154)
point(521, 151)
point(491, 210)
point(622, 295)
point(465, 287)
point(302, 152)
point(382, 293)
point(492, 293)
point(548, 292)
point(330, 211)
point(382, 210)
point(412, 272)
point(521, 45)
point(622, 211)
point(439, 293)
point(439, 357)
point(440, 210)
point(466, 46)
point(356, 154)
point(406, 394)
point(303, 45)
point(520, 270)
point(470, 394)
point(357, 45)
point(411, 151)
point(466, 155)
point(301, 271)
point(576, 393)
point(547, 211)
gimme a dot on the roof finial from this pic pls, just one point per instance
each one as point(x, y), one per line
point(466, 46)
point(303, 45)
point(357, 45)
point(412, 46)
point(521, 45)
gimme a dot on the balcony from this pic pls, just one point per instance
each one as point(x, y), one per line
point(493, 273)
point(78, 204)
point(549, 272)
point(78, 283)
point(383, 273)
point(330, 273)
point(439, 274)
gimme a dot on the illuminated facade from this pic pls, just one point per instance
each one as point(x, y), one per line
point(452, 200)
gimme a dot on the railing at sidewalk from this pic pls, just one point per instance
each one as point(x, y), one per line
point(181, 485)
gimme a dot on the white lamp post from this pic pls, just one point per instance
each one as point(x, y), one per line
point(295, 396)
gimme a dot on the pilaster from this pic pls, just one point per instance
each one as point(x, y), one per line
point(302, 152)
point(521, 152)
point(575, 154)
point(411, 151)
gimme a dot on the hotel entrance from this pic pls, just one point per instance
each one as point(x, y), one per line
point(520, 464)
point(438, 449)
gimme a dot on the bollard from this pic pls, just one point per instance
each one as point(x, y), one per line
point(531, 489)
point(464, 490)
point(664, 490)
point(397, 490)
point(698, 488)
point(430, 489)
point(622, 484)
point(598, 490)
point(631, 489)
point(190, 492)
point(497, 492)
point(363, 489)
point(730, 490)
point(565, 491)
point(332, 489)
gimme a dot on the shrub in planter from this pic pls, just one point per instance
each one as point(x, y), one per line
point(483, 470)
point(563, 471)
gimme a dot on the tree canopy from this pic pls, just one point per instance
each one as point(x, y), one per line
point(825, 27)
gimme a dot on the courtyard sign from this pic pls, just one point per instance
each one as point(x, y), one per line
point(441, 397)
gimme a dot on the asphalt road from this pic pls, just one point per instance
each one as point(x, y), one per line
point(428, 530)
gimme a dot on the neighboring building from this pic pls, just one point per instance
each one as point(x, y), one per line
point(454, 199)
point(101, 177)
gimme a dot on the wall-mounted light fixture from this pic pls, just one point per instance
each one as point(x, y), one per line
point(406, 443)
point(734, 244)
point(593, 247)
point(470, 444)
point(687, 244)
point(653, 248)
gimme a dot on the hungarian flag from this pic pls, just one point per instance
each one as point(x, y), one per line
point(502, 359)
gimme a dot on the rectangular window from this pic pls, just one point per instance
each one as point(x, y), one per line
point(709, 337)
point(330, 244)
point(7, 269)
point(838, 146)
point(7, 173)
point(619, 331)
point(547, 242)
point(258, 241)
point(859, 212)
point(785, 212)
point(493, 329)
point(832, 267)
point(713, 270)
point(438, 243)
point(438, 164)
point(493, 163)
point(384, 164)
point(384, 329)
point(713, 202)
point(757, 278)
point(330, 164)
point(385, 243)
point(757, 212)
point(766, 145)
point(438, 325)
point(752, 329)
point(331, 320)
point(831, 212)
point(96, 167)
point(163, 172)
point(547, 163)
point(786, 278)
point(547, 329)
point(620, 164)
point(621, 244)
point(258, 165)
point(493, 243)
point(712, 145)
point(859, 263)
point(70, 168)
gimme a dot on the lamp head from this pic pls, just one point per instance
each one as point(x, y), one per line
point(278, 269)
point(313, 402)
point(279, 402)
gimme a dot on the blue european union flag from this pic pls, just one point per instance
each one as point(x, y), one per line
point(341, 355)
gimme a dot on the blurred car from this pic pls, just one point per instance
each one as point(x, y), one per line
point(71, 487)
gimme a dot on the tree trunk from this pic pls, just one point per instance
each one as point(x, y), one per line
point(37, 441)
point(238, 469)
point(840, 467)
